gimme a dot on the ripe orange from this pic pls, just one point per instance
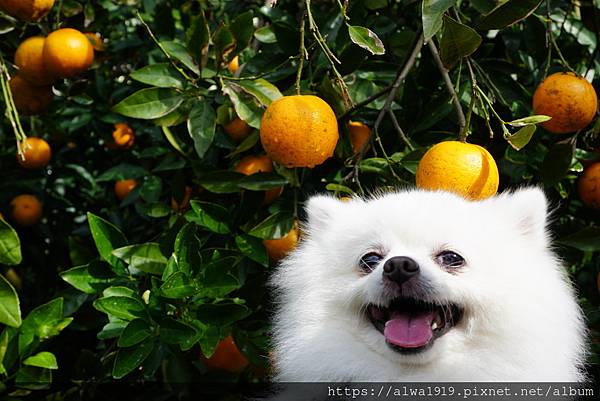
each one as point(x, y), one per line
point(226, 357)
point(237, 129)
point(359, 135)
point(28, 10)
point(466, 169)
point(569, 99)
point(254, 164)
point(588, 186)
point(123, 135)
point(67, 52)
point(234, 65)
point(299, 131)
point(124, 187)
point(96, 41)
point(37, 153)
point(182, 204)
point(279, 248)
point(29, 99)
point(29, 58)
point(26, 210)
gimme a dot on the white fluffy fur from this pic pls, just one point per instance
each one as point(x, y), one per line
point(521, 321)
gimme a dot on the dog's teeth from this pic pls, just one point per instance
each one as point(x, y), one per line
point(434, 326)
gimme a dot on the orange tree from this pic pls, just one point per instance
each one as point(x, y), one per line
point(141, 250)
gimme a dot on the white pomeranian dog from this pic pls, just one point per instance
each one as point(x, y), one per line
point(427, 286)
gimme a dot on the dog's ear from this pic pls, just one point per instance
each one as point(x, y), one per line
point(528, 207)
point(320, 209)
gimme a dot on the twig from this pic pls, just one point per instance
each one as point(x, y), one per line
point(474, 96)
point(400, 131)
point(450, 88)
point(162, 48)
point(365, 102)
point(302, 54)
point(400, 77)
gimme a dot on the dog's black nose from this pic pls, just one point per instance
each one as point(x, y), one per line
point(400, 268)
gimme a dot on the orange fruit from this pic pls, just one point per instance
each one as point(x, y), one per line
point(67, 52)
point(588, 186)
point(123, 135)
point(299, 131)
point(37, 153)
point(96, 41)
point(28, 10)
point(182, 204)
point(226, 357)
point(124, 187)
point(30, 61)
point(25, 210)
point(359, 135)
point(569, 99)
point(237, 129)
point(234, 65)
point(466, 169)
point(29, 99)
point(278, 248)
point(259, 164)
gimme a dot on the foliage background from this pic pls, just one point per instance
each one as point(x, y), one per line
point(205, 269)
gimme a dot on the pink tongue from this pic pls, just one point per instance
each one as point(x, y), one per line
point(409, 330)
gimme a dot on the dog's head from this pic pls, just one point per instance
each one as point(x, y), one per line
point(415, 273)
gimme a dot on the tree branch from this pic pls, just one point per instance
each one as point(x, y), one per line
point(450, 88)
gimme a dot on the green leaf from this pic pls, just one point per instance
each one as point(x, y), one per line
point(150, 103)
point(112, 330)
point(265, 34)
point(10, 310)
point(587, 239)
point(508, 13)
point(177, 286)
point(432, 12)
point(216, 278)
point(521, 122)
point(458, 41)
point(366, 39)
point(90, 279)
point(253, 248)
point(224, 42)
point(121, 307)
point(212, 216)
point(221, 182)
point(275, 226)
point(175, 143)
point(519, 139)
point(180, 53)
point(242, 29)
point(42, 323)
point(107, 238)
point(187, 249)
point(201, 126)
point(222, 314)
point(33, 378)
point(556, 163)
point(197, 36)
point(143, 257)
point(42, 359)
point(151, 189)
point(130, 358)
point(10, 246)
point(134, 333)
point(261, 89)
point(176, 332)
point(161, 75)
point(121, 172)
point(245, 108)
point(262, 181)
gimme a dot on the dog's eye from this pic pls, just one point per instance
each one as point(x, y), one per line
point(450, 259)
point(370, 260)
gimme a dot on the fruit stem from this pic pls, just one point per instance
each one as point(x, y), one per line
point(11, 111)
point(302, 54)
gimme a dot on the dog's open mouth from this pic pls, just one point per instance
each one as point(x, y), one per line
point(411, 326)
